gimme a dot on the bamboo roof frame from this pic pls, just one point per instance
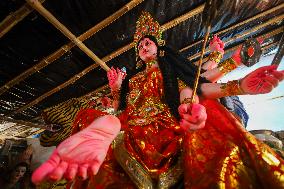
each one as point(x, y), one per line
point(65, 48)
point(266, 35)
point(14, 18)
point(64, 30)
point(269, 22)
point(276, 19)
point(269, 11)
point(121, 50)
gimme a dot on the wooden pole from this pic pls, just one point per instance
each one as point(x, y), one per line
point(281, 6)
point(266, 35)
point(45, 13)
point(65, 48)
point(14, 18)
point(111, 56)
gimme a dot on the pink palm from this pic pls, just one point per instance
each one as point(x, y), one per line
point(81, 153)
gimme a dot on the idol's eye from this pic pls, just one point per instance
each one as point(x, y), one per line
point(147, 43)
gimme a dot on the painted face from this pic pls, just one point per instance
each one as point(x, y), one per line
point(147, 50)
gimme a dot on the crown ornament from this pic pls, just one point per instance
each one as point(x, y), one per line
point(146, 25)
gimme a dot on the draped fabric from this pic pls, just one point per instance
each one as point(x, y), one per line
point(153, 151)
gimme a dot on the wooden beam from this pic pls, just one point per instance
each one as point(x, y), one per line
point(279, 7)
point(65, 48)
point(274, 32)
point(64, 30)
point(14, 18)
point(105, 59)
point(125, 48)
point(255, 29)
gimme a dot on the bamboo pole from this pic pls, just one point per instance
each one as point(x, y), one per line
point(255, 29)
point(45, 13)
point(112, 55)
point(49, 127)
point(281, 6)
point(65, 48)
point(12, 19)
point(105, 59)
point(266, 35)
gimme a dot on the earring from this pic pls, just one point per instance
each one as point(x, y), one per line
point(162, 43)
point(139, 64)
point(161, 53)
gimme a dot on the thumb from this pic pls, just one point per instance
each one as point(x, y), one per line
point(40, 173)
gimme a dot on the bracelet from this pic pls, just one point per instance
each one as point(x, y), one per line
point(232, 88)
point(186, 100)
point(115, 94)
point(227, 66)
point(215, 56)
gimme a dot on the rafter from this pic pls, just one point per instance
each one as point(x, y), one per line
point(14, 18)
point(76, 77)
point(170, 24)
point(266, 35)
point(279, 7)
point(65, 48)
point(255, 29)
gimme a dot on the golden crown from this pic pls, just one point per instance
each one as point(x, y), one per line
point(146, 25)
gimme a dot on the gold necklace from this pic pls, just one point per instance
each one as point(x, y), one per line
point(151, 63)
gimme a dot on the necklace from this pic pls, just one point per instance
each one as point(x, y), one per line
point(151, 63)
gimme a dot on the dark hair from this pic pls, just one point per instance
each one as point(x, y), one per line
point(172, 66)
point(21, 164)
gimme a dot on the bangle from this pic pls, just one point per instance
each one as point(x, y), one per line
point(215, 56)
point(115, 94)
point(232, 88)
point(227, 66)
point(186, 100)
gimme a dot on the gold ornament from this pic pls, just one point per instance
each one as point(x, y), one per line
point(232, 88)
point(227, 66)
point(146, 25)
point(215, 56)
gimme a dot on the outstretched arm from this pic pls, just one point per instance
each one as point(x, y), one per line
point(81, 154)
point(214, 69)
point(260, 81)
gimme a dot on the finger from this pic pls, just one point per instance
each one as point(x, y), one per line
point(71, 171)
point(94, 168)
point(182, 109)
point(278, 74)
point(266, 69)
point(266, 88)
point(82, 173)
point(58, 172)
point(185, 125)
point(272, 80)
point(222, 44)
point(190, 118)
point(40, 174)
point(197, 126)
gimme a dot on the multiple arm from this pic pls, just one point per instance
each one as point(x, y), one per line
point(260, 81)
point(115, 77)
point(214, 69)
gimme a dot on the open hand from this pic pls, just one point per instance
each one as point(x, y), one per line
point(115, 78)
point(80, 154)
point(262, 80)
